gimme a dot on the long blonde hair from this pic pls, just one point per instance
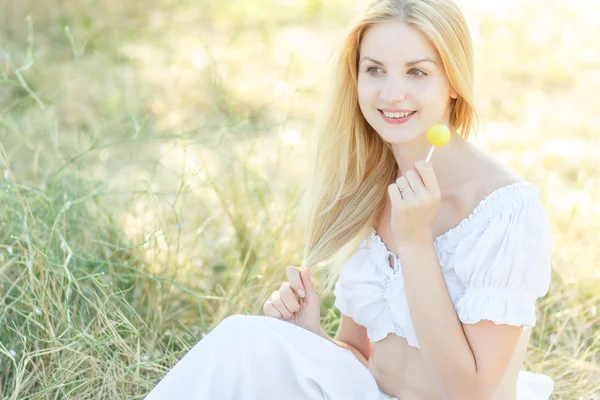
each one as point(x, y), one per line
point(352, 165)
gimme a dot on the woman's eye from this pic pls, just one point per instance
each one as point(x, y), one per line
point(419, 72)
point(377, 70)
point(374, 70)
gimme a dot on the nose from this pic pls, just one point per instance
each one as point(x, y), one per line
point(394, 90)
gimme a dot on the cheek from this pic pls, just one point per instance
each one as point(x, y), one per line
point(426, 91)
point(367, 93)
point(433, 92)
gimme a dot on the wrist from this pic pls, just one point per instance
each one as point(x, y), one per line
point(416, 244)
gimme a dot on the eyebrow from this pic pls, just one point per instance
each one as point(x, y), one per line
point(408, 64)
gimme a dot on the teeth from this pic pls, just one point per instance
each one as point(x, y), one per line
point(396, 114)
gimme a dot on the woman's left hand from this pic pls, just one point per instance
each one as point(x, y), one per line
point(415, 206)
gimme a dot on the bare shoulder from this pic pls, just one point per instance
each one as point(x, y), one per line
point(493, 175)
point(490, 175)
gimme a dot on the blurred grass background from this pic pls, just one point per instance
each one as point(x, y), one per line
point(153, 157)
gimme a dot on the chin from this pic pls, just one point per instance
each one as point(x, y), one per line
point(397, 136)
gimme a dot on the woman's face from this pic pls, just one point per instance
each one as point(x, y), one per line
point(400, 72)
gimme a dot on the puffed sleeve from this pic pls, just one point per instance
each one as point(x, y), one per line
point(340, 301)
point(505, 264)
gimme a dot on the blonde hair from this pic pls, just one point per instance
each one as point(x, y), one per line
point(352, 165)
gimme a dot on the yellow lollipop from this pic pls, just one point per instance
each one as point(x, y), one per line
point(438, 135)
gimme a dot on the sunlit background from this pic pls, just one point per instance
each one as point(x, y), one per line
point(154, 155)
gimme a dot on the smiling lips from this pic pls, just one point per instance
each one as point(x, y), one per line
point(396, 116)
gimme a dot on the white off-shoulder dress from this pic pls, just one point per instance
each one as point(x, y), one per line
point(496, 263)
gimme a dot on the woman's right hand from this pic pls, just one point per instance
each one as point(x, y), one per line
point(296, 301)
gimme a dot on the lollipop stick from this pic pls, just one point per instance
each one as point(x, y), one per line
point(430, 153)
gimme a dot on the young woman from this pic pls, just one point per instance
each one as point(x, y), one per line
point(437, 266)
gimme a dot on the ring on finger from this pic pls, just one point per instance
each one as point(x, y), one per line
point(402, 184)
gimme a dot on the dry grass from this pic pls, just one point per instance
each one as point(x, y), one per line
point(153, 160)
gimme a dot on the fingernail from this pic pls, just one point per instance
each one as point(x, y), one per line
point(301, 293)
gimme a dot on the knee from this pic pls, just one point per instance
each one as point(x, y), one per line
point(236, 320)
point(235, 324)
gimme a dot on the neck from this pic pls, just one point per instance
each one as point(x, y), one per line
point(446, 160)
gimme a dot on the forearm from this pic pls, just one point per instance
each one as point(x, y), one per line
point(443, 344)
point(346, 346)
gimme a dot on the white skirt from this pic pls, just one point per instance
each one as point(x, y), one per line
point(256, 357)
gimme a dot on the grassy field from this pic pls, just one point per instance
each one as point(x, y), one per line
point(153, 159)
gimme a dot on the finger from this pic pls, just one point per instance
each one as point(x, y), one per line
point(270, 311)
point(293, 275)
point(278, 304)
point(288, 297)
point(408, 194)
point(306, 278)
point(394, 193)
point(415, 182)
point(428, 177)
point(403, 182)
point(404, 187)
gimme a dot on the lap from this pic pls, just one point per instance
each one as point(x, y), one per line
point(308, 355)
point(254, 357)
